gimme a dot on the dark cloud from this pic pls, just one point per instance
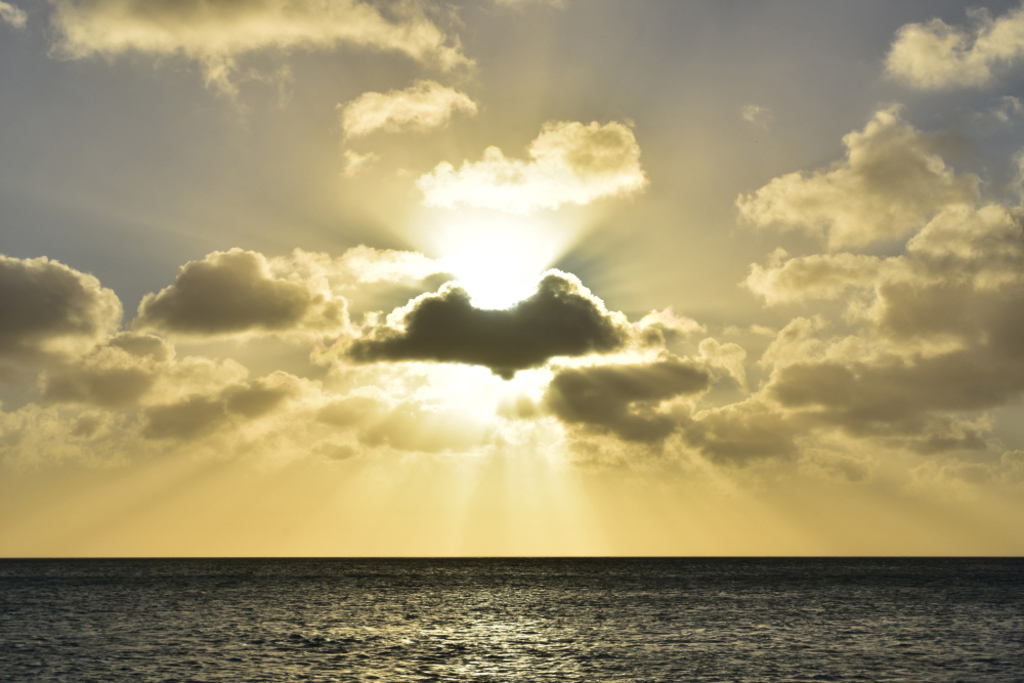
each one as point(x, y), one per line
point(561, 319)
point(110, 387)
point(742, 432)
point(194, 417)
point(235, 292)
point(200, 415)
point(49, 310)
point(115, 375)
point(623, 399)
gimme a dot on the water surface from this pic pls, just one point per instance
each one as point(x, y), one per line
point(502, 620)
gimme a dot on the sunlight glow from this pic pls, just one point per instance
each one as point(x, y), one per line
point(498, 259)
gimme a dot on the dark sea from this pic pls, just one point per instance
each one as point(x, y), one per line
point(500, 620)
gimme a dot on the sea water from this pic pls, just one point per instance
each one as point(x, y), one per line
point(502, 620)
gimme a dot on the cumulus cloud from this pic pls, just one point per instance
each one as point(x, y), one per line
point(939, 331)
point(12, 15)
point(218, 34)
point(237, 292)
point(570, 163)
point(935, 56)
point(625, 399)
point(420, 107)
point(891, 182)
point(562, 318)
point(817, 276)
point(49, 310)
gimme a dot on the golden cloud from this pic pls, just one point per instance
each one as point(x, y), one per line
point(216, 34)
point(420, 107)
point(570, 163)
point(935, 55)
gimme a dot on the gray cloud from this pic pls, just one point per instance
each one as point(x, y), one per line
point(561, 319)
point(236, 292)
point(49, 310)
point(741, 432)
point(199, 415)
point(624, 399)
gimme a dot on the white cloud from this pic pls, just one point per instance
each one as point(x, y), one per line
point(356, 163)
point(570, 163)
point(420, 107)
point(934, 55)
point(891, 182)
point(216, 34)
point(12, 15)
point(761, 117)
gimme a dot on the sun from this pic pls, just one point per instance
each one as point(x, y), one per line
point(499, 260)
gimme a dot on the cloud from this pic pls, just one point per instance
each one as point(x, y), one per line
point(939, 330)
point(625, 399)
point(12, 15)
point(561, 319)
point(201, 414)
point(236, 292)
point(741, 432)
point(49, 310)
point(890, 183)
point(818, 276)
point(936, 56)
point(570, 163)
point(218, 34)
point(761, 117)
point(356, 163)
point(134, 369)
point(423, 106)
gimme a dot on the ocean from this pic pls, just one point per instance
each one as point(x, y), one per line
point(502, 620)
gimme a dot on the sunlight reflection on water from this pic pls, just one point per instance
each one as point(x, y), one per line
point(512, 620)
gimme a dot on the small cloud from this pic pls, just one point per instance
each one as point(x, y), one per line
point(761, 117)
point(356, 163)
point(423, 106)
point(12, 15)
point(570, 163)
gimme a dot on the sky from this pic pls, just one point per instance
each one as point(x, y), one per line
point(511, 277)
